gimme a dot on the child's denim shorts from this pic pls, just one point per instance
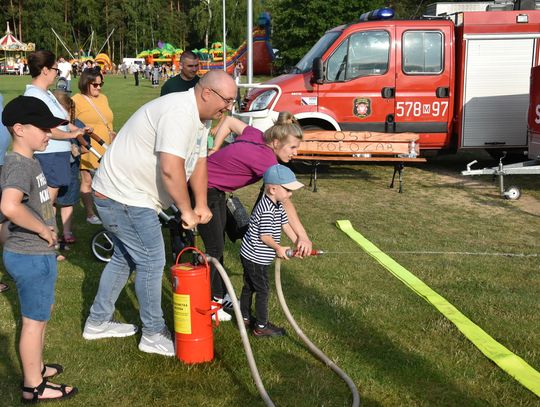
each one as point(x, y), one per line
point(35, 277)
point(69, 195)
point(55, 167)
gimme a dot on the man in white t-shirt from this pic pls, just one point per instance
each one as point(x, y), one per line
point(134, 69)
point(65, 71)
point(147, 168)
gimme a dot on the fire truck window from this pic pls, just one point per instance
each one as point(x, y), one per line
point(423, 52)
point(337, 63)
point(363, 54)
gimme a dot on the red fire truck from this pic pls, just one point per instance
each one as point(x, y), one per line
point(534, 115)
point(529, 167)
point(460, 80)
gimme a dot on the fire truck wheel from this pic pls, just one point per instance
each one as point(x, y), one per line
point(513, 193)
point(102, 246)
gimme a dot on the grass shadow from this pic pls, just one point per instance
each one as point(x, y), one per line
point(368, 343)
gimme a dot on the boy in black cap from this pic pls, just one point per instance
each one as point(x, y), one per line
point(29, 255)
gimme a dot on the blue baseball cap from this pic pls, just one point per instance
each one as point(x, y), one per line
point(280, 175)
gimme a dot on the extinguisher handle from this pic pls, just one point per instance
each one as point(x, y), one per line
point(214, 308)
point(201, 255)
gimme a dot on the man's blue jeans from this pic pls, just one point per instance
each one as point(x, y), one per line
point(138, 246)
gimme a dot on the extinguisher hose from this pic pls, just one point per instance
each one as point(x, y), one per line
point(243, 332)
point(316, 351)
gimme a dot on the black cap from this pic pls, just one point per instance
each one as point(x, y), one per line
point(30, 110)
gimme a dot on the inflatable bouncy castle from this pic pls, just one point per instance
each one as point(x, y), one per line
point(212, 58)
point(263, 53)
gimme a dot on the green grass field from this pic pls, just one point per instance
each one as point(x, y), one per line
point(396, 347)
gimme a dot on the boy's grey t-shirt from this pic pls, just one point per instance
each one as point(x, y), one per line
point(25, 174)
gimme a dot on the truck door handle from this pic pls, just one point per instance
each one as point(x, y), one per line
point(388, 93)
point(442, 92)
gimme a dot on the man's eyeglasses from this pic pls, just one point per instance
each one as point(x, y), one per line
point(229, 101)
point(57, 71)
point(96, 85)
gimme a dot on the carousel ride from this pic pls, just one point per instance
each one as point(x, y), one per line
point(13, 50)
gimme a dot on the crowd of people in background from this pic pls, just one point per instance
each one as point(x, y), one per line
point(151, 72)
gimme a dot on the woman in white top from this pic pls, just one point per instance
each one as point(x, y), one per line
point(55, 159)
point(5, 141)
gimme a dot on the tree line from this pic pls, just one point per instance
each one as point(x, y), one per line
point(187, 24)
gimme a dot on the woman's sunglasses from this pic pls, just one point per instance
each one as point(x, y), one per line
point(96, 85)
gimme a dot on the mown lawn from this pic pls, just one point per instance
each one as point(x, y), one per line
point(397, 348)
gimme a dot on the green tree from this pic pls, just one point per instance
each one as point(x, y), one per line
point(188, 24)
point(206, 20)
point(296, 27)
point(37, 23)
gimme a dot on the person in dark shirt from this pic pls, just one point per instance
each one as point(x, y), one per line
point(187, 78)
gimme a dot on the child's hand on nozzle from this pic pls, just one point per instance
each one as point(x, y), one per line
point(282, 252)
point(48, 234)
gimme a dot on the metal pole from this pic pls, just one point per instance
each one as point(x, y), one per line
point(106, 41)
point(62, 42)
point(250, 41)
point(224, 39)
point(91, 40)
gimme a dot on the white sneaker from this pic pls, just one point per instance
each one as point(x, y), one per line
point(222, 315)
point(109, 329)
point(160, 343)
point(93, 220)
point(227, 302)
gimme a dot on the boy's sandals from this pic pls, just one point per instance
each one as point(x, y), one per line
point(58, 369)
point(3, 287)
point(39, 390)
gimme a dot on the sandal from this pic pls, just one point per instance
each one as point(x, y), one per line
point(59, 369)
point(69, 238)
point(38, 391)
point(3, 287)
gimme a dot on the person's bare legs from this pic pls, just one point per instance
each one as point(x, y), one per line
point(86, 193)
point(53, 194)
point(31, 351)
point(66, 214)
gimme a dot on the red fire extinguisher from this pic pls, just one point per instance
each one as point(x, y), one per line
point(193, 310)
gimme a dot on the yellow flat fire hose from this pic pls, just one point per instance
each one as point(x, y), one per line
point(504, 358)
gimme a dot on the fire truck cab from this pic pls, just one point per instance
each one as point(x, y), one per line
point(460, 80)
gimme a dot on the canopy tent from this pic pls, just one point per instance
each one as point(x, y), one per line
point(9, 43)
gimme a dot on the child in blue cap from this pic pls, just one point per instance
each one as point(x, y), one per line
point(261, 244)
